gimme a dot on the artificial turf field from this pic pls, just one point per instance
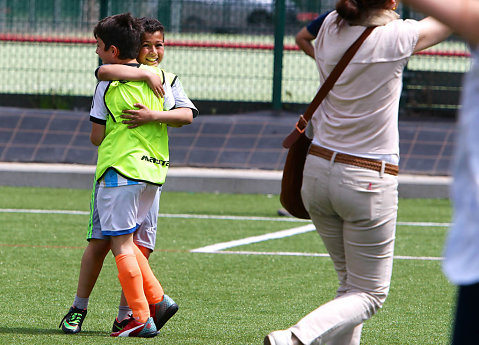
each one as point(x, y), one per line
point(231, 293)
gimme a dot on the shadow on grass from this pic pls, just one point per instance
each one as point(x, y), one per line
point(49, 331)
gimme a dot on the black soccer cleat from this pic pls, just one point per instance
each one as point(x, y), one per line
point(72, 321)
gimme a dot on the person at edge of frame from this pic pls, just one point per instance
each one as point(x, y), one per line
point(461, 254)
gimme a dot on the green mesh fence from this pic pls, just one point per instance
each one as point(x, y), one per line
point(223, 50)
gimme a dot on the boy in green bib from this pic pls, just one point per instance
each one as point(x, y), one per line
point(132, 163)
point(178, 111)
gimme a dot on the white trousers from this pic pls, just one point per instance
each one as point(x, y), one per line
point(354, 211)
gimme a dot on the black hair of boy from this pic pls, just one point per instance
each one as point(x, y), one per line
point(122, 31)
point(151, 25)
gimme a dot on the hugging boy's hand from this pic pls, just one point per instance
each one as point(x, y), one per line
point(134, 118)
point(156, 84)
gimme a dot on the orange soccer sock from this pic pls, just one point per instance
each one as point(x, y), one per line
point(131, 281)
point(151, 286)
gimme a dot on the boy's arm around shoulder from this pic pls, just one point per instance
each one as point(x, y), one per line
point(131, 73)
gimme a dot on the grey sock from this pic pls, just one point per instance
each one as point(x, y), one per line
point(124, 312)
point(80, 303)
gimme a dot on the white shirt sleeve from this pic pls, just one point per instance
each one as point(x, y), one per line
point(180, 97)
point(169, 99)
point(98, 107)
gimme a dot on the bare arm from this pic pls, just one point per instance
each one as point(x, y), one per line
point(431, 32)
point(303, 40)
point(176, 117)
point(461, 15)
point(124, 72)
point(97, 133)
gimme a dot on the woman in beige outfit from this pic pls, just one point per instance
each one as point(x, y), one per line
point(350, 176)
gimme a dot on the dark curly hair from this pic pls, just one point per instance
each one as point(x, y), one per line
point(152, 25)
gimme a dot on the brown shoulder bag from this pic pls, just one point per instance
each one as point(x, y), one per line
point(298, 144)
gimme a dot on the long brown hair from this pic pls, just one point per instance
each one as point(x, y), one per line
point(352, 10)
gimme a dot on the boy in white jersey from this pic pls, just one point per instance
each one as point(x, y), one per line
point(97, 249)
point(151, 53)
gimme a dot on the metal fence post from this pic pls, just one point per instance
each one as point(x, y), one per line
point(103, 9)
point(279, 23)
point(164, 13)
point(103, 14)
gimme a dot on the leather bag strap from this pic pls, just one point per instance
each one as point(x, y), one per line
point(325, 88)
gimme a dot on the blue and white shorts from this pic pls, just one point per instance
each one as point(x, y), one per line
point(124, 211)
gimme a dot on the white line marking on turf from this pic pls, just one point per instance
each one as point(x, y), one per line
point(425, 224)
point(164, 215)
point(219, 247)
point(217, 217)
point(400, 257)
point(214, 217)
point(19, 210)
point(254, 239)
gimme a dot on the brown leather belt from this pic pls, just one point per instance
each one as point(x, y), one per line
point(361, 162)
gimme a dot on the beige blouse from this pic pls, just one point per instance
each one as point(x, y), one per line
point(360, 114)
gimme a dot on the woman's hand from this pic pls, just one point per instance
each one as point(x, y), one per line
point(137, 117)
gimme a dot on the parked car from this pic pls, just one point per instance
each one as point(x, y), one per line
point(226, 16)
